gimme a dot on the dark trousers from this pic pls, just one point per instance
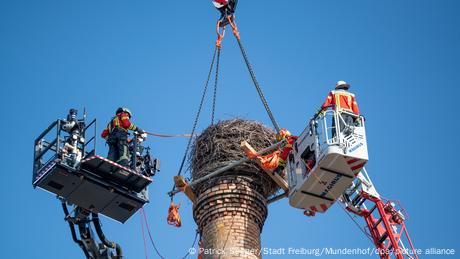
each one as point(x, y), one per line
point(118, 146)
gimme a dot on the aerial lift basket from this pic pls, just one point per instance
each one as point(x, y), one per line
point(93, 183)
point(326, 158)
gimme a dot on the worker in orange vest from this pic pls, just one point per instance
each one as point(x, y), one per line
point(342, 100)
point(285, 149)
point(116, 135)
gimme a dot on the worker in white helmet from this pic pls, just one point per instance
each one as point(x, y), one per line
point(341, 100)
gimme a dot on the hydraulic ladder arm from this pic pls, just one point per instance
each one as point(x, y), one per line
point(87, 242)
point(385, 220)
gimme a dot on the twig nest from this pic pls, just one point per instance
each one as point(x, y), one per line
point(219, 145)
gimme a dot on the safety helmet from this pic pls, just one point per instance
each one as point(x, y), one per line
point(282, 134)
point(342, 85)
point(125, 110)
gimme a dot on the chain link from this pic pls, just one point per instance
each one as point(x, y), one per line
point(215, 87)
point(256, 84)
point(197, 117)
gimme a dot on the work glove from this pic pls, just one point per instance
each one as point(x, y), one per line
point(321, 113)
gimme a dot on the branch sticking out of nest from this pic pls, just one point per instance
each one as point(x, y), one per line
point(219, 145)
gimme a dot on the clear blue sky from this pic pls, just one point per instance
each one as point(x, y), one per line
point(401, 58)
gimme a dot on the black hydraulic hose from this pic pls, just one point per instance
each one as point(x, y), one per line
point(100, 234)
point(72, 231)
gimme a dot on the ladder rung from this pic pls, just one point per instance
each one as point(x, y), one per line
point(390, 247)
point(361, 202)
point(354, 188)
point(377, 223)
point(372, 210)
point(383, 237)
point(356, 200)
point(346, 197)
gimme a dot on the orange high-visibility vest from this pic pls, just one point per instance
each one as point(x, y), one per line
point(341, 101)
point(121, 120)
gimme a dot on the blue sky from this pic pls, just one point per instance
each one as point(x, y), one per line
point(401, 58)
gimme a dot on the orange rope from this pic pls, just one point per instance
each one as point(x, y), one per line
point(234, 27)
point(173, 215)
point(220, 35)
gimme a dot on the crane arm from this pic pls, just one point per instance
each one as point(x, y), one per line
point(385, 220)
point(92, 249)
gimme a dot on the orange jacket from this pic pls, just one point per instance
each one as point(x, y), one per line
point(121, 120)
point(341, 100)
point(287, 147)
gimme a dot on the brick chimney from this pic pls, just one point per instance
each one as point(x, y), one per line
point(231, 208)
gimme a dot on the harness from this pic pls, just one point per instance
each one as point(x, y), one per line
point(115, 123)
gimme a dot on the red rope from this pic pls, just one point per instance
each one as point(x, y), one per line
point(143, 237)
point(150, 234)
point(168, 135)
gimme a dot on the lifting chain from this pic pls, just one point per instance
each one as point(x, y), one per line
point(197, 117)
point(251, 72)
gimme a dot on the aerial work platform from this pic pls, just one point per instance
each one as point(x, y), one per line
point(326, 159)
point(89, 190)
point(87, 180)
point(116, 173)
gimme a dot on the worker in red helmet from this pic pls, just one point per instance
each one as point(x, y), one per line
point(285, 148)
point(226, 9)
point(116, 135)
point(342, 100)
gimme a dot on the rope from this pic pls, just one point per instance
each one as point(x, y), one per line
point(168, 135)
point(143, 237)
point(349, 215)
point(253, 75)
point(215, 86)
point(197, 117)
point(357, 224)
point(150, 235)
point(193, 245)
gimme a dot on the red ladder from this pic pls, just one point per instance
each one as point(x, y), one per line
point(385, 220)
point(385, 224)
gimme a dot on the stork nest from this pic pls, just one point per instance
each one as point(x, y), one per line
point(219, 145)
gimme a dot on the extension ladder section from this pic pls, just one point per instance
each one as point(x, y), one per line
point(385, 220)
point(325, 161)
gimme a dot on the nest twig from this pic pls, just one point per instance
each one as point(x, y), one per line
point(219, 145)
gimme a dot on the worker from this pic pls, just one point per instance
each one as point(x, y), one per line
point(226, 9)
point(116, 135)
point(275, 161)
point(342, 100)
point(285, 148)
point(71, 151)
